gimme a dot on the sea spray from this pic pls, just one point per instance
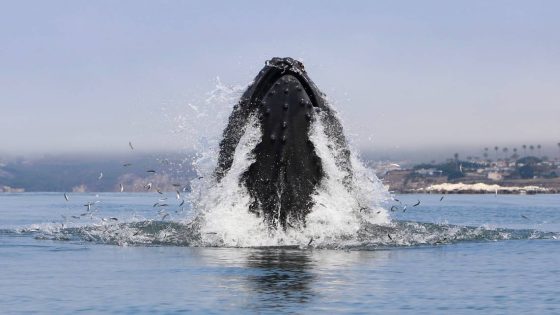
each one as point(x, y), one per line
point(346, 214)
point(343, 201)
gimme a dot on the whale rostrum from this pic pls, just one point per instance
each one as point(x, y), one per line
point(286, 170)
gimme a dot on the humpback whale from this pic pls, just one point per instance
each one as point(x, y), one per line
point(286, 170)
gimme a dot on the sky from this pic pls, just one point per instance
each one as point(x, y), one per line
point(90, 76)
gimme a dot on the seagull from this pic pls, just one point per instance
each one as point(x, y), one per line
point(159, 191)
point(122, 187)
point(393, 208)
point(130, 145)
point(100, 176)
point(66, 197)
point(440, 199)
point(310, 241)
point(389, 235)
point(88, 205)
point(176, 185)
point(182, 203)
point(524, 217)
point(178, 195)
point(127, 164)
point(151, 171)
point(416, 204)
point(148, 186)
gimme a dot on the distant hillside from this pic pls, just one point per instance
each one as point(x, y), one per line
point(83, 173)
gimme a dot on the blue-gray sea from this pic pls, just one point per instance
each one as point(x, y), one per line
point(465, 254)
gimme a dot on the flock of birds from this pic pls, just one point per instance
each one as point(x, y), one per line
point(403, 207)
point(162, 203)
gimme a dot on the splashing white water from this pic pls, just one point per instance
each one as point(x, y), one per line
point(338, 214)
point(340, 209)
point(224, 205)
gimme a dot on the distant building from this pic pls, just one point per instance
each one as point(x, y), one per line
point(8, 189)
point(496, 176)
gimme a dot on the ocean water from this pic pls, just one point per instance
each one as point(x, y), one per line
point(465, 254)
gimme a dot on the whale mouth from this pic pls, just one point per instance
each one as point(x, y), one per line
point(286, 170)
point(278, 71)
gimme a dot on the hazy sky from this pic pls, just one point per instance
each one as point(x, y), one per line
point(92, 75)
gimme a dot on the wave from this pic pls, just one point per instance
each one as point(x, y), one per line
point(368, 237)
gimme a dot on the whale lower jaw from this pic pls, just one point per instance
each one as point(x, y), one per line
point(286, 170)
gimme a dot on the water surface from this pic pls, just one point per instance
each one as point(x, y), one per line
point(490, 275)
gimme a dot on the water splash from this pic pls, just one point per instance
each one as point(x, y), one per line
point(347, 214)
point(368, 236)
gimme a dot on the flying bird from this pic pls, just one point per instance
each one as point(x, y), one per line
point(130, 145)
point(122, 187)
point(66, 197)
point(416, 204)
point(88, 205)
point(100, 176)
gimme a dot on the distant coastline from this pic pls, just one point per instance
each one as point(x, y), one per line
point(509, 175)
point(527, 175)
